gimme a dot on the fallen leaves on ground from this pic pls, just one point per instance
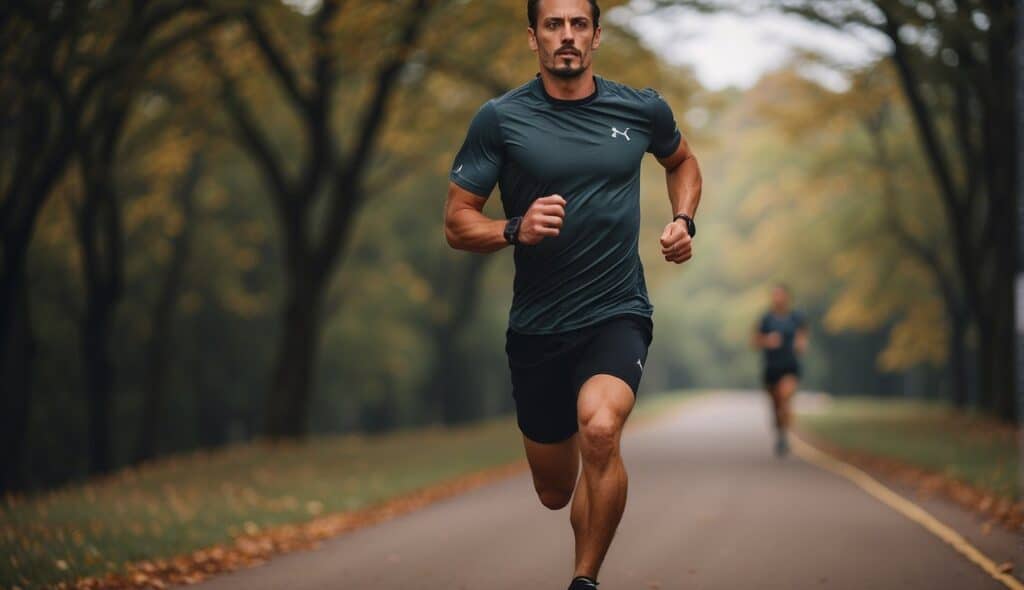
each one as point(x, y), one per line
point(257, 546)
point(1003, 511)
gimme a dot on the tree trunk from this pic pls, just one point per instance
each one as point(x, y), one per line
point(998, 378)
point(159, 349)
point(99, 229)
point(288, 405)
point(15, 396)
point(1019, 194)
point(208, 403)
point(99, 377)
point(958, 351)
point(447, 387)
point(17, 344)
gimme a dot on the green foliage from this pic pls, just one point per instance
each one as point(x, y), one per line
point(966, 447)
point(793, 193)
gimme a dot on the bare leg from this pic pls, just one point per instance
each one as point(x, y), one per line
point(785, 389)
point(554, 468)
point(578, 516)
point(777, 414)
point(603, 405)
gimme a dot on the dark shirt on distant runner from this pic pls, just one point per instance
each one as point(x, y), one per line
point(787, 326)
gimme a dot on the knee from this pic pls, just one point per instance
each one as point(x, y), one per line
point(599, 437)
point(554, 499)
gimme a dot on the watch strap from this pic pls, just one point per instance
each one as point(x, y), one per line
point(511, 232)
point(691, 226)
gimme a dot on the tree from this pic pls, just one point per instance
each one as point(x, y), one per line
point(325, 169)
point(159, 348)
point(65, 60)
point(953, 63)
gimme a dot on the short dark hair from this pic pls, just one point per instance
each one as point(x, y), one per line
point(532, 6)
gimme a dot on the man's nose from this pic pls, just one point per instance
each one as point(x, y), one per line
point(568, 38)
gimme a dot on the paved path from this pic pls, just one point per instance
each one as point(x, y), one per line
point(709, 508)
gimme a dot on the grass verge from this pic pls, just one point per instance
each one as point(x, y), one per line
point(968, 448)
point(177, 506)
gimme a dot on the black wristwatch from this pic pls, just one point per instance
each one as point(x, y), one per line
point(512, 230)
point(691, 227)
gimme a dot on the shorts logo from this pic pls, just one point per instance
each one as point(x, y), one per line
point(616, 133)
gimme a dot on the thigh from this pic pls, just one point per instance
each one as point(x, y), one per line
point(553, 465)
point(788, 384)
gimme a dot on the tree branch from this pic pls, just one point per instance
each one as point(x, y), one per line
point(276, 60)
point(253, 139)
point(348, 188)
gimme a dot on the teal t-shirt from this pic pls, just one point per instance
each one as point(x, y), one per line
point(787, 326)
point(589, 151)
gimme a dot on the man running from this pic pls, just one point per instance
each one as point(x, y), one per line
point(782, 335)
point(565, 151)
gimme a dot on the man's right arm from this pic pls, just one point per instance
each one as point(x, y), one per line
point(465, 225)
point(765, 339)
point(467, 228)
point(757, 338)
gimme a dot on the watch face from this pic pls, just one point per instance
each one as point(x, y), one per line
point(512, 230)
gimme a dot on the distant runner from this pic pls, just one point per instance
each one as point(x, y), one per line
point(565, 150)
point(782, 335)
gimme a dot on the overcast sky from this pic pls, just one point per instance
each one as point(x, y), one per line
point(731, 50)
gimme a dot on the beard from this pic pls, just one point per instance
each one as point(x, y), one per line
point(564, 70)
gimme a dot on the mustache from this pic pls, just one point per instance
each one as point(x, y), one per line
point(568, 51)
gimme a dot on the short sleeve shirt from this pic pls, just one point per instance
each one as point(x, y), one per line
point(531, 145)
point(787, 326)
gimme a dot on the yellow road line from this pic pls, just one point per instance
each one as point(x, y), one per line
point(906, 508)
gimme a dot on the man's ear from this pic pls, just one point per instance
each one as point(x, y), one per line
point(532, 38)
point(597, 38)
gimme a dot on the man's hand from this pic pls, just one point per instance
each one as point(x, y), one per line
point(800, 342)
point(772, 340)
point(676, 244)
point(542, 220)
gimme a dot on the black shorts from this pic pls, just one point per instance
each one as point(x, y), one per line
point(548, 370)
point(773, 375)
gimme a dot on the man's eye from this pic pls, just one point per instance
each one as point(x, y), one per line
point(552, 26)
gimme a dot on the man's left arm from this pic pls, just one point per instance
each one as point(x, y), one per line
point(802, 335)
point(682, 174)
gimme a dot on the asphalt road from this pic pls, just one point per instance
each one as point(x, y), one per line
point(709, 508)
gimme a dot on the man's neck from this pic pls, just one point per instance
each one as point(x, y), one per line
point(575, 88)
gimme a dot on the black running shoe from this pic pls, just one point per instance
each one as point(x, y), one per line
point(582, 583)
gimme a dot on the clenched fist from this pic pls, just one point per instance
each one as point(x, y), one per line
point(542, 220)
point(772, 340)
point(676, 244)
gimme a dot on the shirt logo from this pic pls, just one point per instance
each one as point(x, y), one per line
point(639, 364)
point(459, 169)
point(616, 133)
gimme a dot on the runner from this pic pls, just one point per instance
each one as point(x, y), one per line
point(782, 335)
point(565, 151)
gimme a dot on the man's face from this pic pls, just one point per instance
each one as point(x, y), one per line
point(780, 299)
point(565, 37)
